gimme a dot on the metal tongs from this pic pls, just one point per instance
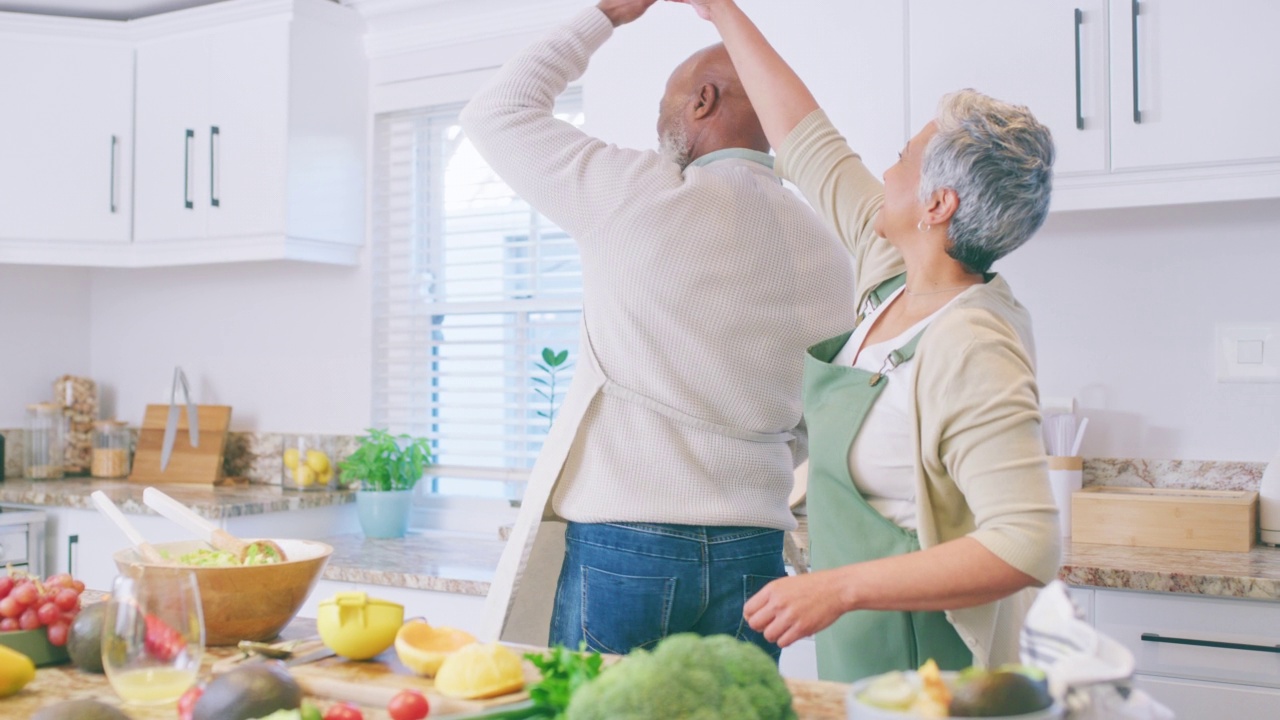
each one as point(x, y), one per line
point(171, 425)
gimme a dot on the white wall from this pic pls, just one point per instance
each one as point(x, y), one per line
point(44, 318)
point(286, 345)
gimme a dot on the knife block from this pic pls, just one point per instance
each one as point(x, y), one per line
point(193, 465)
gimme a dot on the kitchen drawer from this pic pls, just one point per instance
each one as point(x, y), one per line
point(13, 546)
point(1127, 616)
point(1196, 699)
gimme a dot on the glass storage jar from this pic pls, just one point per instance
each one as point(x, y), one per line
point(111, 440)
point(44, 445)
point(309, 463)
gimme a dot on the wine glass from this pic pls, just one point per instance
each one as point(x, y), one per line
point(153, 635)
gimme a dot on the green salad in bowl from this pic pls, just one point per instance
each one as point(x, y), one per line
point(256, 555)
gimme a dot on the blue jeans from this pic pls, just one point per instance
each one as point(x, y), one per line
point(628, 585)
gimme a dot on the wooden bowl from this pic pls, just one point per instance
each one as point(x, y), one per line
point(246, 602)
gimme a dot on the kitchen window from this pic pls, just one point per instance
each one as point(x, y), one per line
point(470, 285)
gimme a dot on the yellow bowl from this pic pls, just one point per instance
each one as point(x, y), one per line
point(243, 602)
point(357, 626)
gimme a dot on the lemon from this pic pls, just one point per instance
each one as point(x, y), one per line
point(304, 476)
point(326, 477)
point(318, 461)
point(480, 671)
point(16, 670)
point(291, 458)
point(423, 648)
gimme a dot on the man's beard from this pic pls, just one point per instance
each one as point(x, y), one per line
point(673, 145)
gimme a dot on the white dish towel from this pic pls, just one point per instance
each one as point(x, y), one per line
point(1089, 673)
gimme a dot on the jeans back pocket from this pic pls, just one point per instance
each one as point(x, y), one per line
point(752, 584)
point(624, 612)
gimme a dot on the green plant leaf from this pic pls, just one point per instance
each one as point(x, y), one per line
point(548, 356)
point(559, 359)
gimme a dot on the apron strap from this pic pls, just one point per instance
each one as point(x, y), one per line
point(897, 357)
point(878, 295)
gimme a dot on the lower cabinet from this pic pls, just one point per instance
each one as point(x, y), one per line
point(1197, 655)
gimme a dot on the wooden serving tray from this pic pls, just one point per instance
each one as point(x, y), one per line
point(1165, 517)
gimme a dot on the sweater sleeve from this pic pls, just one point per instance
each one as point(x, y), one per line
point(572, 178)
point(833, 179)
point(991, 443)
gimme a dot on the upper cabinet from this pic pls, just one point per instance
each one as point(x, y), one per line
point(247, 123)
point(66, 135)
point(1150, 102)
point(1194, 83)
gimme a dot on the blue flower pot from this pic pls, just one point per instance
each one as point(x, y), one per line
point(384, 514)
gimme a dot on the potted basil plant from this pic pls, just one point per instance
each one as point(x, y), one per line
point(387, 467)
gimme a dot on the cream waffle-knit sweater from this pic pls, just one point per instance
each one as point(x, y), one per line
point(701, 290)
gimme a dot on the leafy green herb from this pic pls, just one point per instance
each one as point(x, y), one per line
point(563, 672)
point(385, 462)
point(552, 365)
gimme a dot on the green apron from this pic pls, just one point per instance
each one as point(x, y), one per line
point(844, 529)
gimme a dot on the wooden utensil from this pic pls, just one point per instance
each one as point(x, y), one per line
point(187, 464)
point(108, 508)
point(215, 536)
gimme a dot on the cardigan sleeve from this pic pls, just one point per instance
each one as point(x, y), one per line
point(574, 179)
point(990, 440)
point(833, 179)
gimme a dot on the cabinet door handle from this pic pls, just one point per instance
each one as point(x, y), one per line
point(114, 144)
point(1079, 111)
point(186, 169)
point(1153, 637)
point(73, 544)
point(1137, 114)
point(215, 149)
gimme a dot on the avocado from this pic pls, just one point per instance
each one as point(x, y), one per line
point(250, 691)
point(79, 710)
point(84, 642)
point(999, 693)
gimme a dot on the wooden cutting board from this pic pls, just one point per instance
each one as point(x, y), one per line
point(374, 682)
point(198, 465)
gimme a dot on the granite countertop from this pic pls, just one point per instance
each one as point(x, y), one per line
point(465, 564)
point(812, 699)
point(210, 501)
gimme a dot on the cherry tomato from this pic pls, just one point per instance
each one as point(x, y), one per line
point(187, 703)
point(343, 711)
point(408, 705)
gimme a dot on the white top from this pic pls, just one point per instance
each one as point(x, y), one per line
point(882, 457)
point(702, 289)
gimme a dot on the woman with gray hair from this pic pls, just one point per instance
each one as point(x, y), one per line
point(931, 519)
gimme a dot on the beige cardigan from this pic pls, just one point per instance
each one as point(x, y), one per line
point(980, 469)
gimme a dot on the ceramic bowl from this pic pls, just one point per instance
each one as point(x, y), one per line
point(858, 710)
point(245, 602)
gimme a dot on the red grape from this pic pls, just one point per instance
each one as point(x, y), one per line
point(48, 614)
point(6, 584)
point(58, 634)
point(9, 608)
point(29, 619)
point(58, 580)
point(67, 599)
point(25, 593)
point(77, 586)
point(9, 625)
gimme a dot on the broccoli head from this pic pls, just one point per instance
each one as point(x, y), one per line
point(690, 677)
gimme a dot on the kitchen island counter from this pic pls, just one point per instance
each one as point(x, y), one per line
point(813, 700)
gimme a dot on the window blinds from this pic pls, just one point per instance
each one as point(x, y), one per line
point(470, 285)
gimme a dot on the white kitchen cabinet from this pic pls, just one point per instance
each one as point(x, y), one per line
point(1230, 662)
point(66, 135)
point(1208, 80)
point(1049, 56)
point(251, 133)
point(1208, 83)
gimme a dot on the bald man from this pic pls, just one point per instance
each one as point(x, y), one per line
point(660, 498)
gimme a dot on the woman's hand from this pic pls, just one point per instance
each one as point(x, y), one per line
point(791, 608)
point(621, 12)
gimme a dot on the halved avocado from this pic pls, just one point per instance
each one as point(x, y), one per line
point(248, 692)
point(999, 693)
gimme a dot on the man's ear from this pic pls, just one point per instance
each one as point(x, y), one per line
point(708, 101)
point(942, 205)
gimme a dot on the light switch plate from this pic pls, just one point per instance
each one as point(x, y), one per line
point(1248, 352)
